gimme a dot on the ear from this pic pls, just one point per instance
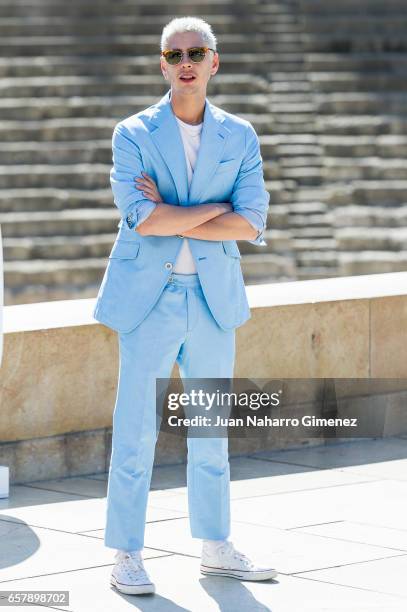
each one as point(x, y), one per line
point(163, 70)
point(215, 64)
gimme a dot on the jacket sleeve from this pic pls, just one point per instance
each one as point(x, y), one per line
point(127, 165)
point(249, 197)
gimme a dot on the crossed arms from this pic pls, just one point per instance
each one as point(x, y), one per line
point(244, 218)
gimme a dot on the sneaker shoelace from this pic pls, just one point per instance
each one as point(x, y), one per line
point(133, 563)
point(228, 548)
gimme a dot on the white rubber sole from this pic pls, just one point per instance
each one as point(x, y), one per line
point(239, 574)
point(141, 589)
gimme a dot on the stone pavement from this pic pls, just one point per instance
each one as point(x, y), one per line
point(331, 519)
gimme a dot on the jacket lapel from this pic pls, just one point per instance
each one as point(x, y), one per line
point(167, 138)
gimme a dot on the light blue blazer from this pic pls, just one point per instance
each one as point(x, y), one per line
point(228, 169)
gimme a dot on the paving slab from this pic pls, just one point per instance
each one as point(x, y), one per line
point(75, 516)
point(376, 503)
point(385, 576)
point(287, 551)
point(33, 551)
point(180, 588)
point(74, 485)
point(351, 531)
point(381, 458)
point(21, 495)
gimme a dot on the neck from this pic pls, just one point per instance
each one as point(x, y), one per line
point(188, 108)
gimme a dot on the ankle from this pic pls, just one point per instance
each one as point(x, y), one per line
point(120, 554)
point(213, 545)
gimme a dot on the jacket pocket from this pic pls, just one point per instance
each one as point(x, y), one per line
point(125, 249)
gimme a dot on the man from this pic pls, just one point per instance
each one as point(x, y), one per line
point(187, 178)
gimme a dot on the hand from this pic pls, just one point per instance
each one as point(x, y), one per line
point(149, 188)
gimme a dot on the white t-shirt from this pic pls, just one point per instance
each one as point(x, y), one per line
point(191, 138)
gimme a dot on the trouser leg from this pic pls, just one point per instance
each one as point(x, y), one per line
point(208, 352)
point(146, 353)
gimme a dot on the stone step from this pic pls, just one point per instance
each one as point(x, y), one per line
point(311, 163)
point(390, 146)
point(54, 272)
point(122, 85)
point(371, 262)
point(348, 7)
point(293, 152)
point(383, 193)
point(113, 106)
point(63, 223)
point(311, 196)
point(56, 130)
point(311, 259)
point(299, 88)
point(317, 232)
point(371, 238)
point(55, 153)
point(301, 220)
point(360, 103)
point(49, 199)
point(348, 42)
point(278, 241)
point(100, 152)
point(82, 247)
point(76, 9)
point(29, 294)
point(366, 216)
point(57, 247)
point(126, 45)
point(82, 222)
point(315, 272)
point(85, 129)
point(307, 175)
point(364, 168)
point(312, 207)
point(262, 267)
point(106, 65)
point(280, 190)
point(387, 146)
point(353, 22)
point(327, 82)
point(313, 244)
point(89, 271)
point(347, 125)
point(70, 176)
point(362, 62)
point(129, 24)
point(293, 123)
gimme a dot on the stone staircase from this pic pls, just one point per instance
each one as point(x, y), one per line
point(322, 83)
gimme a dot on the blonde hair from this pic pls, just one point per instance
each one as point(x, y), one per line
point(188, 24)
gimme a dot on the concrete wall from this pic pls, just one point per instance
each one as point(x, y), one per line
point(59, 372)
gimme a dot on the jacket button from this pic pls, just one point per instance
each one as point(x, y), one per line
point(168, 265)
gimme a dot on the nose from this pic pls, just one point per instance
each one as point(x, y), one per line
point(187, 61)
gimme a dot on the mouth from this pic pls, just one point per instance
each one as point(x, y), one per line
point(187, 78)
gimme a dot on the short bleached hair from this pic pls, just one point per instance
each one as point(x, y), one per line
point(188, 24)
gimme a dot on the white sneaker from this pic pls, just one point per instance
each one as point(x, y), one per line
point(129, 575)
point(225, 560)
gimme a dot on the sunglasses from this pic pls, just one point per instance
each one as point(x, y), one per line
point(195, 54)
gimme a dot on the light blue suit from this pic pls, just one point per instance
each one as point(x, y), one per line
point(162, 317)
point(228, 169)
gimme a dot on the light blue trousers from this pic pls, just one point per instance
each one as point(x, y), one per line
point(180, 328)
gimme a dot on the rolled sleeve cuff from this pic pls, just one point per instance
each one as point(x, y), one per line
point(255, 221)
point(140, 213)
